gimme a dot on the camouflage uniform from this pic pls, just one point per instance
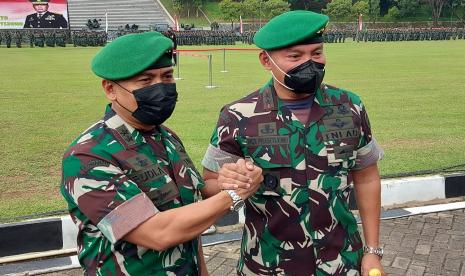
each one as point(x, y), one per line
point(115, 178)
point(8, 39)
point(298, 222)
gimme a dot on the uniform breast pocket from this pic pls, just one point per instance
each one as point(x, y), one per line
point(338, 152)
point(163, 196)
point(158, 185)
point(272, 154)
point(269, 151)
point(340, 135)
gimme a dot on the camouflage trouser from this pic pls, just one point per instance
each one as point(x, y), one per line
point(298, 259)
point(311, 263)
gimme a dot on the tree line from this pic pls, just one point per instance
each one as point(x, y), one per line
point(338, 10)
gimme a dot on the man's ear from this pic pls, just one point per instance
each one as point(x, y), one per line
point(109, 89)
point(265, 60)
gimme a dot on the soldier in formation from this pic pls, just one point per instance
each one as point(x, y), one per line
point(40, 39)
point(18, 39)
point(200, 37)
point(335, 36)
point(408, 34)
point(84, 38)
point(31, 38)
point(8, 39)
point(50, 39)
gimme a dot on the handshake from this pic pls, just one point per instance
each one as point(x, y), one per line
point(243, 177)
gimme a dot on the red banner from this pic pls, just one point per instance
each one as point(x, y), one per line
point(19, 14)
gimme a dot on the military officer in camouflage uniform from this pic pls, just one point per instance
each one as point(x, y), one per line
point(42, 18)
point(18, 38)
point(31, 39)
point(40, 39)
point(130, 186)
point(60, 39)
point(312, 141)
point(50, 39)
point(8, 39)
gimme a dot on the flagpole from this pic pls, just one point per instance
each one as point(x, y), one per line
point(106, 22)
point(176, 24)
point(241, 30)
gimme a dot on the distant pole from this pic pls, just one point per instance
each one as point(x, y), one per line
point(224, 61)
point(210, 73)
point(106, 22)
point(177, 66)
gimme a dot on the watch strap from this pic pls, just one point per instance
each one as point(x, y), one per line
point(378, 251)
point(237, 200)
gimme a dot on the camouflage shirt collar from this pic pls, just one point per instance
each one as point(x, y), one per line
point(127, 135)
point(268, 100)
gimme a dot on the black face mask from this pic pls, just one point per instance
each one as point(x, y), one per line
point(305, 78)
point(155, 103)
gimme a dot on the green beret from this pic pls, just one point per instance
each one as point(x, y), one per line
point(291, 28)
point(39, 2)
point(132, 54)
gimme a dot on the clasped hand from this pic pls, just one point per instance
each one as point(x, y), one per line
point(242, 176)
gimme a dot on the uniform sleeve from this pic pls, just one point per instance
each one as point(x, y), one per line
point(105, 195)
point(223, 146)
point(369, 151)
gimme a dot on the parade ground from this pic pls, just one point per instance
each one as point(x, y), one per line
point(413, 92)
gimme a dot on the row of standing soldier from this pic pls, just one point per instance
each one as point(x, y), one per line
point(410, 34)
point(35, 38)
point(52, 38)
point(200, 37)
point(85, 38)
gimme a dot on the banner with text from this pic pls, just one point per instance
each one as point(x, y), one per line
point(37, 14)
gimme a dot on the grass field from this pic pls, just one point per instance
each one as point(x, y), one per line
point(414, 93)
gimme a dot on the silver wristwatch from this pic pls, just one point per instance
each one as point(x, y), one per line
point(378, 251)
point(238, 202)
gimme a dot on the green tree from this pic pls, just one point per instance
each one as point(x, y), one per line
point(384, 6)
point(187, 6)
point(197, 4)
point(177, 6)
point(408, 7)
point(275, 7)
point(458, 9)
point(310, 5)
point(360, 7)
point(251, 8)
point(373, 9)
point(230, 10)
point(436, 9)
point(393, 13)
point(339, 9)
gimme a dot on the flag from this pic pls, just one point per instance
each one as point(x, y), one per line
point(106, 22)
point(360, 23)
point(240, 24)
point(176, 24)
